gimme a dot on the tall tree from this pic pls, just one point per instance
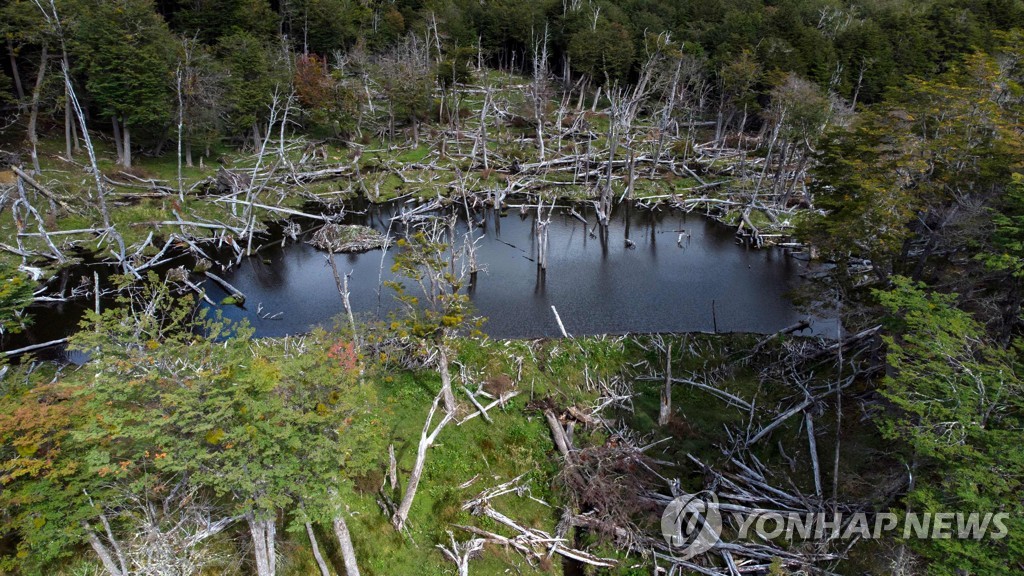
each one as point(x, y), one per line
point(130, 61)
point(254, 72)
point(958, 407)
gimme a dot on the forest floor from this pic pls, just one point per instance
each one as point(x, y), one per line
point(607, 390)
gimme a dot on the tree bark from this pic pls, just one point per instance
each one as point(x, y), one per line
point(117, 140)
point(316, 551)
point(665, 409)
point(17, 75)
point(127, 144)
point(348, 551)
point(105, 558)
point(70, 134)
point(426, 439)
point(446, 380)
point(33, 136)
point(80, 114)
point(812, 444)
point(68, 123)
point(263, 533)
point(181, 127)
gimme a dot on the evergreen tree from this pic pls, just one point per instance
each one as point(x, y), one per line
point(129, 58)
point(254, 72)
point(960, 406)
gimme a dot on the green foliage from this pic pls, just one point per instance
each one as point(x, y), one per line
point(407, 79)
point(604, 52)
point(212, 20)
point(170, 395)
point(254, 74)
point(861, 182)
point(323, 26)
point(1007, 252)
point(6, 89)
point(40, 476)
point(128, 53)
point(16, 291)
point(429, 259)
point(455, 69)
point(959, 410)
point(328, 104)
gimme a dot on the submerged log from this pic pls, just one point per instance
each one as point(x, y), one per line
point(347, 238)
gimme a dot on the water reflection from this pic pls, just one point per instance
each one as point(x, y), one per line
point(649, 271)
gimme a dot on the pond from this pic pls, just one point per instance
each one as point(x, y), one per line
point(653, 271)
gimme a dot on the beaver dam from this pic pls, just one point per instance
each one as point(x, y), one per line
point(346, 238)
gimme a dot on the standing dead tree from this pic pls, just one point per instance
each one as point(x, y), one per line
point(538, 87)
point(33, 133)
point(480, 142)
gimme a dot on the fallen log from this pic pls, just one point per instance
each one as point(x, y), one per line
point(504, 398)
point(731, 398)
point(561, 327)
point(778, 421)
point(64, 232)
point(235, 292)
point(15, 352)
point(282, 210)
point(476, 403)
point(799, 326)
point(42, 189)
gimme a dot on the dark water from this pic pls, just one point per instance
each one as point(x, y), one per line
point(704, 283)
point(598, 285)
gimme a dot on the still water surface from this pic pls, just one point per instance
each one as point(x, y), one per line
point(678, 273)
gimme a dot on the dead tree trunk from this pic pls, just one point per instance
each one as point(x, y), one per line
point(605, 205)
point(39, 221)
point(348, 551)
point(316, 551)
point(17, 75)
point(181, 127)
point(812, 445)
point(127, 163)
point(101, 550)
point(481, 141)
point(540, 71)
point(426, 439)
point(446, 379)
point(665, 409)
point(70, 128)
point(101, 196)
point(118, 142)
point(666, 117)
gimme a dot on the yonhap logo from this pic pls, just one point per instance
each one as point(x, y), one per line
point(692, 524)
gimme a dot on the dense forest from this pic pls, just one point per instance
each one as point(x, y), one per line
point(148, 148)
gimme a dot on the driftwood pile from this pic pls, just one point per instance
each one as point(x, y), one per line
point(347, 238)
